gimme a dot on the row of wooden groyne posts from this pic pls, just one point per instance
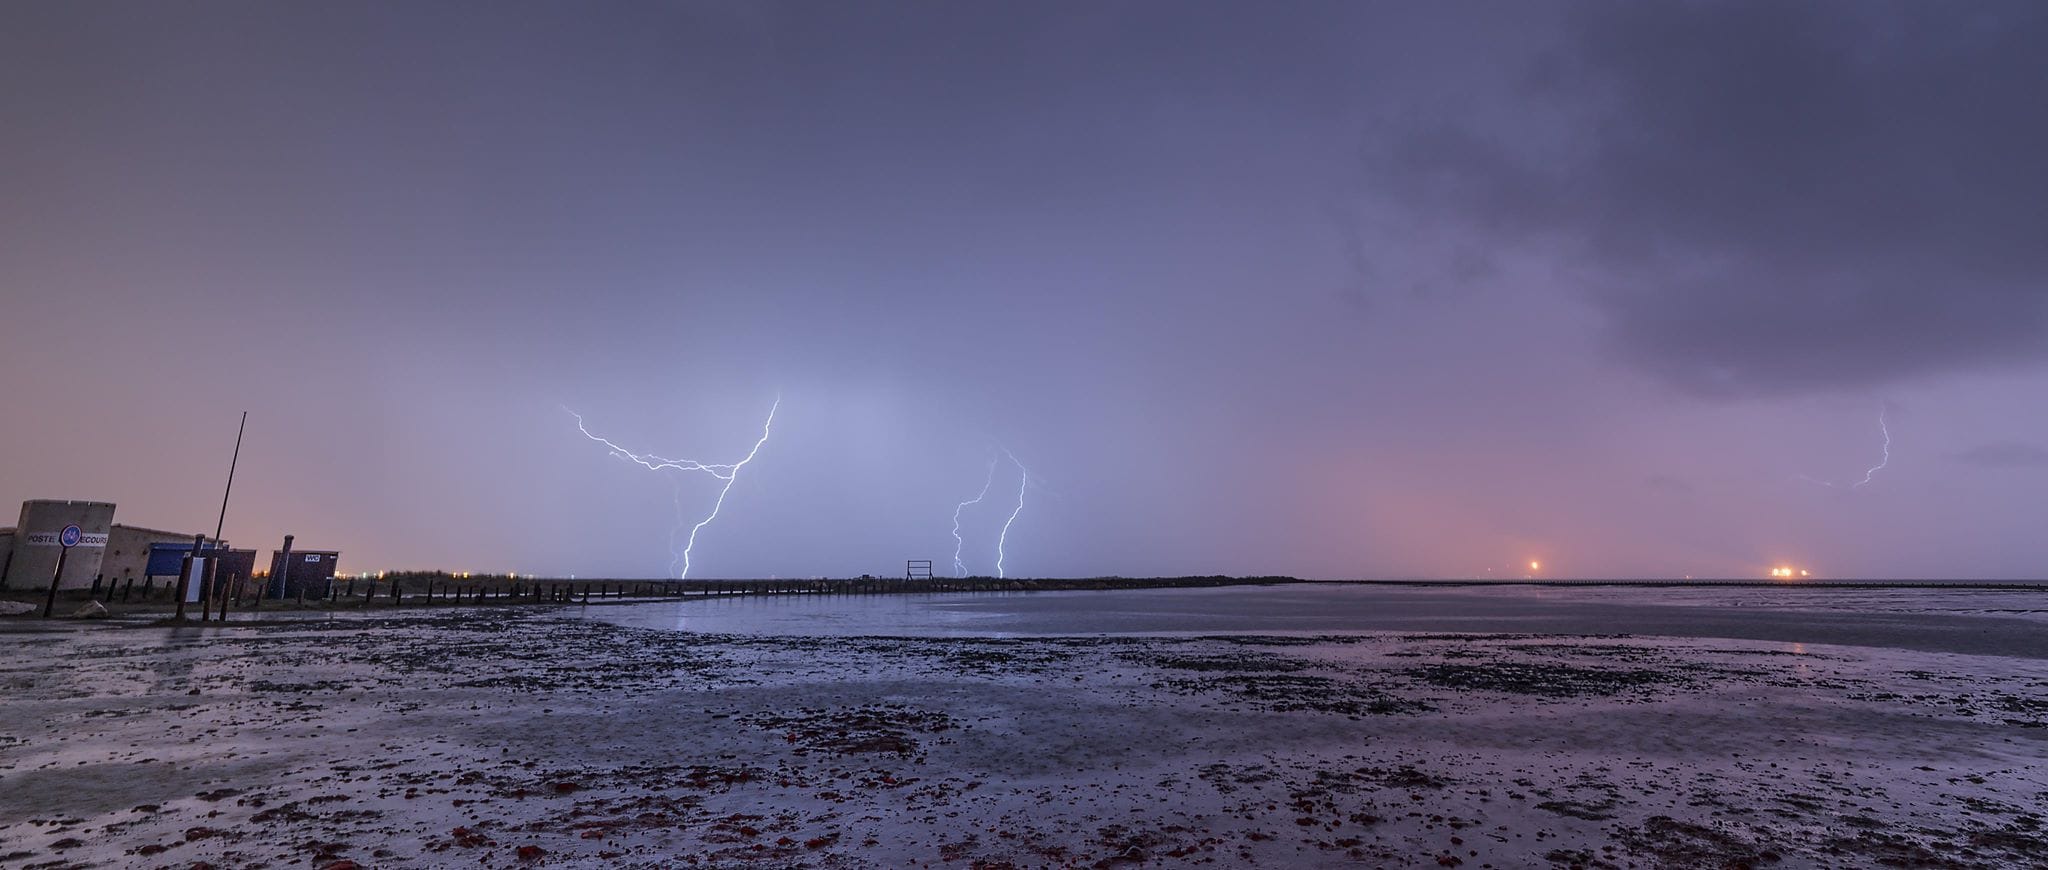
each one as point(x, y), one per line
point(458, 591)
point(452, 589)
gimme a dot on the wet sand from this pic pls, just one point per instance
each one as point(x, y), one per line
point(501, 737)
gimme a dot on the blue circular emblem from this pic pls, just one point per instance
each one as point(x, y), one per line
point(70, 536)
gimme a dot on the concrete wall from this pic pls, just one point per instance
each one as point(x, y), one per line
point(33, 563)
point(128, 550)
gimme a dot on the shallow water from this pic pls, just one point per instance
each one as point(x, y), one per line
point(1976, 622)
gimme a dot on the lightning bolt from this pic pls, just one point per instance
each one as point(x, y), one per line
point(728, 472)
point(959, 567)
point(1023, 481)
point(729, 478)
point(1887, 460)
point(1883, 427)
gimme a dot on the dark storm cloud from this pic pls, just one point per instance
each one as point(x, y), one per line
point(1769, 198)
point(404, 235)
point(2006, 454)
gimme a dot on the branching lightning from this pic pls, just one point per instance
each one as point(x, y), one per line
point(1002, 537)
point(733, 475)
point(728, 472)
point(1023, 482)
point(1887, 460)
point(960, 567)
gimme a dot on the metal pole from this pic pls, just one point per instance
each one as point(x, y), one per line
point(236, 460)
point(212, 585)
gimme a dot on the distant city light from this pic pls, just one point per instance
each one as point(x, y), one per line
point(1535, 565)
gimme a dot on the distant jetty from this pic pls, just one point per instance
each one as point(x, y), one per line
point(411, 589)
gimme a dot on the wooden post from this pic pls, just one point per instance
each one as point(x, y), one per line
point(284, 564)
point(50, 603)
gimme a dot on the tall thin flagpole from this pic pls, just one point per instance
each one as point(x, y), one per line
point(213, 565)
point(231, 479)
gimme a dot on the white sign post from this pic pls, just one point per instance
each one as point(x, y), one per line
point(193, 581)
point(70, 537)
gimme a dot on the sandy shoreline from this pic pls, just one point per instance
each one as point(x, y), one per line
point(470, 736)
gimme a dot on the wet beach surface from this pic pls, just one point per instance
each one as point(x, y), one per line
point(1162, 728)
point(1973, 621)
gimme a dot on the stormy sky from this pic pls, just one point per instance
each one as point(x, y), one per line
point(1334, 290)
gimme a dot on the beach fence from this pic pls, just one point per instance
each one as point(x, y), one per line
point(414, 590)
point(441, 589)
point(455, 589)
point(422, 589)
point(256, 593)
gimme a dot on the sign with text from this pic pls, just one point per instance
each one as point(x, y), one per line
point(55, 539)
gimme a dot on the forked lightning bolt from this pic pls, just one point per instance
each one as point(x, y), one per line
point(1023, 481)
point(728, 472)
point(1003, 537)
point(960, 567)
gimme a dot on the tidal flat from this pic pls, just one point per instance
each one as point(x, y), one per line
point(546, 737)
